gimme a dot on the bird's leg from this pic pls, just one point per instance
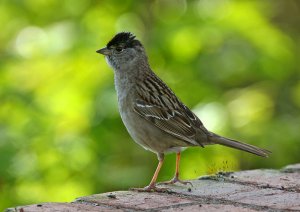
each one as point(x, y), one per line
point(176, 177)
point(152, 185)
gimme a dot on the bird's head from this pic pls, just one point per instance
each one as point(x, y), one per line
point(122, 50)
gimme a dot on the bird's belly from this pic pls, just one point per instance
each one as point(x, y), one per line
point(149, 136)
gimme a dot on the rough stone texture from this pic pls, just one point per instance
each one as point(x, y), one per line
point(135, 200)
point(268, 179)
point(292, 168)
point(253, 190)
point(50, 207)
point(210, 208)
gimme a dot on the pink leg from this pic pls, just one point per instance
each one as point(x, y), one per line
point(152, 185)
point(176, 177)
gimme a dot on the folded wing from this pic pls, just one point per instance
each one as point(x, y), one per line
point(158, 104)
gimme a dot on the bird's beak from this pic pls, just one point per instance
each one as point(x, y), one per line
point(105, 51)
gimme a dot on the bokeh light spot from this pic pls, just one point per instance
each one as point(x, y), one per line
point(185, 44)
point(249, 106)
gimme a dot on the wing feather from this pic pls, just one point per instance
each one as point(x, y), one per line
point(158, 104)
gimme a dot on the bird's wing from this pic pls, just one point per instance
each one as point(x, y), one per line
point(158, 104)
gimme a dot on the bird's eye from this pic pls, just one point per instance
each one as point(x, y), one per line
point(119, 49)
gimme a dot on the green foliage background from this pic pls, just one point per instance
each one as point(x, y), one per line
point(235, 63)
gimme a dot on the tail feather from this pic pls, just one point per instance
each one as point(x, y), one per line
point(239, 145)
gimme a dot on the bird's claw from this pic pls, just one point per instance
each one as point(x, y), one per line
point(150, 188)
point(175, 180)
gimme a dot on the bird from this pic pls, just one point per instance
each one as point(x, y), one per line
point(153, 115)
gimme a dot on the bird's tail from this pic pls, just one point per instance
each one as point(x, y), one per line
point(239, 145)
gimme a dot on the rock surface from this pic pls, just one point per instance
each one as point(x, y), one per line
point(253, 190)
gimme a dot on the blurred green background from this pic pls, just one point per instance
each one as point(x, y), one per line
point(235, 63)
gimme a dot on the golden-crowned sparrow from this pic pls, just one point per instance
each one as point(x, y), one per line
point(154, 117)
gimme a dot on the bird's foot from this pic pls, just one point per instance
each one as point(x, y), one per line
point(175, 180)
point(150, 188)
